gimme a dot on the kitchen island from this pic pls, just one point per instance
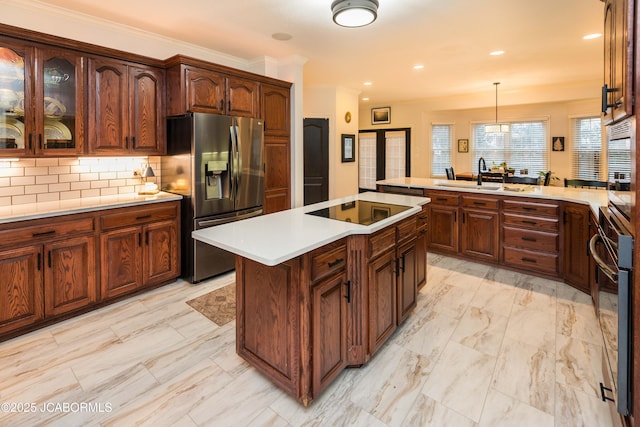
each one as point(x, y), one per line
point(317, 291)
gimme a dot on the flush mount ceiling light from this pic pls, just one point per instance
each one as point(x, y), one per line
point(354, 13)
point(497, 127)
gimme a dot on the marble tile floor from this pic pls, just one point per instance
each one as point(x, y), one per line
point(484, 347)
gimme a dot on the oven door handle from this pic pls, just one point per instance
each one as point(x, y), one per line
point(611, 274)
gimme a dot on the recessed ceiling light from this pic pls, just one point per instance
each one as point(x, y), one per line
point(592, 36)
point(367, 83)
point(281, 36)
point(365, 99)
point(418, 67)
point(497, 53)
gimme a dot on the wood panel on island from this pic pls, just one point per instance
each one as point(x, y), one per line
point(303, 321)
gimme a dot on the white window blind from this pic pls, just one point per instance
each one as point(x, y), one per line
point(395, 155)
point(619, 158)
point(525, 146)
point(367, 161)
point(440, 149)
point(587, 148)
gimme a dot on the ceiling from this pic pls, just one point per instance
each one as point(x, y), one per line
point(542, 40)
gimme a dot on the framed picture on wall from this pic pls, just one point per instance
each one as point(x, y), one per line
point(348, 148)
point(380, 116)
point(463, 146)
point(557, 143)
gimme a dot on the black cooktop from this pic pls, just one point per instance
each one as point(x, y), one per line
point(360, 211)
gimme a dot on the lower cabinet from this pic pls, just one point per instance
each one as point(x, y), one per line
point(575, 242)
point(21, 299)
point(69, 274)
point(49, 267)
point(407, 279)
point(382, 299)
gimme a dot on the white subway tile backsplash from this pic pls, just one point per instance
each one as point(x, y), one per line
point(49, 179)
point(69, 177)
point(66, 195)
point(57, 170)
point(21, 200)
point(63, 186)
point(36, 189)
point(90, 193)
point(11, 191)
point(48, 197)
point(47, 162)
point(32, 171)
point(23, 180)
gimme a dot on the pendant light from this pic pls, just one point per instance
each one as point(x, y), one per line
point(497, 127)
point(354, 13)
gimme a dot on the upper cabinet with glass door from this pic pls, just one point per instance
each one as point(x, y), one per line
point(41, 107)
point(16, 115)
point(59, 95)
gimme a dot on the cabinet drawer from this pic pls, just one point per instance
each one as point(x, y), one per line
point(532, 208)
point(530, 239)
point(480, 202)
point(444, 199)
point(382, 241)
point(538, 223)
point(406, 229)
point(51, 230)
point(539, 261)
point(421, 219)
point(125, 217)
point(328, 259)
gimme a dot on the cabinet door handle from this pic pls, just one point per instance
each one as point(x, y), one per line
point(479, 203)
point(605, 98)
point(348, 296)
point(39, 261)
point(229, 105)
point(604, 390)
point(126, 142)
point(455, 216)
point(146, 238)
point(139, 239)
point(527, 208)
point(138, 218)
point(336, 262)
point(529, 260)
point(464, 217)
point(40, 141)
point(402, 263)
point(441, 199)
point(44, 233)
point(397, 267)
point(30, 140)
point(524, 221)
point(529, 239)
point(49, 258)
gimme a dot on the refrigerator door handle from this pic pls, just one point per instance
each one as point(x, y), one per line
point(235, 174)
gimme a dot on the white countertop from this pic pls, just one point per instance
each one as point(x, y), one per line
point(72, 206)
point(278, 237)
point(593, 197)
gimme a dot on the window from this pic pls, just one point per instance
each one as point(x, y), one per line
point(367, 161)
point(523, 147)
point(587, 148)
point(440, 149)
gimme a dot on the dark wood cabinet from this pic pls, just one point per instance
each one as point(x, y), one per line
point(21, 282)
point(382, 299)
point(443, 228)
point(126, 108)
point(69, 274)
point(480, 228)
point(421, 247)
point(138, 248)
point(199, 88)
point(329, 330)
point(575, 246)
point(617, 92)
point(407, 278)
point(276, 111)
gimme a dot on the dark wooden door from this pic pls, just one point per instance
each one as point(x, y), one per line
point(316, 160)
point(576, 237)
point(480, 236)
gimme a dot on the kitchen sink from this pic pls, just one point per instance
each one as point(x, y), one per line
point(471, 186)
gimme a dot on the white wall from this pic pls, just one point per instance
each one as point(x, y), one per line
point(419, 116)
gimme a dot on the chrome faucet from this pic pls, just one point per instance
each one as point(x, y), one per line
point(484, 168)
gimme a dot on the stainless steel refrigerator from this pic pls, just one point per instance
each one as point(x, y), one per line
point(217, 164)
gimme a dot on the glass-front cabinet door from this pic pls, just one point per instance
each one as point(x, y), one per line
point(59, 115)
point(16, 115)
